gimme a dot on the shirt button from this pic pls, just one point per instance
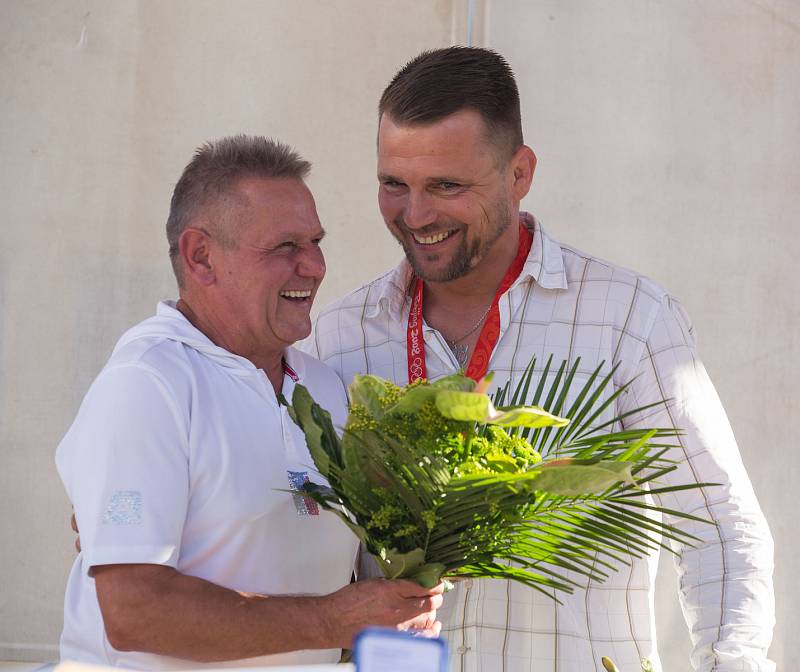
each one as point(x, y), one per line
point(467, 584)
point(461, 650)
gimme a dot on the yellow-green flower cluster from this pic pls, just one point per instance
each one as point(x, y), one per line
point(457, 447)
point(360, 419)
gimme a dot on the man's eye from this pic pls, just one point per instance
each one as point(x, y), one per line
point(448, 186)
point(392, 184)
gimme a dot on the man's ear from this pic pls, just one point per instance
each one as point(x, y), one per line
point(523, 165)
point(194, 247)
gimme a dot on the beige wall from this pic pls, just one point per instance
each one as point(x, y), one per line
point(667, 131)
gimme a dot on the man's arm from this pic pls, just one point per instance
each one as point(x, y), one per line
point(156, 609)
point(726, 577)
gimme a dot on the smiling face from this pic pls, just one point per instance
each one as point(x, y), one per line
point(446, 195)
point(264, 286)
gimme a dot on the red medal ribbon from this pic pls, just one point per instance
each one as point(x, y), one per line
point(490, 333)
point(289, 371)
point(415, 343)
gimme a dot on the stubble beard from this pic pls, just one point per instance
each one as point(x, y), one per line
point(468, 254)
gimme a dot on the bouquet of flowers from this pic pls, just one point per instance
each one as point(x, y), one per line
point(438, 480)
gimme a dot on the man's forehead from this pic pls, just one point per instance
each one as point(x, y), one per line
point(255, 189)
point(454, 142)
point(280, 206)
point(460, 121)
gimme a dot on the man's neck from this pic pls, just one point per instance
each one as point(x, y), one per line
point(206, 320)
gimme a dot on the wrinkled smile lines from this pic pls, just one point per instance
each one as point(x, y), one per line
point(435, 238)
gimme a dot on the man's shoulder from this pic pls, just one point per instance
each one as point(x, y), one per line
point(155, 355)
point(368, 296)
point(142, 382)
point(344, 319)
point(146, 355)
point(606, 292)
point(561, 266)
point(582, 267)
point(641, 309)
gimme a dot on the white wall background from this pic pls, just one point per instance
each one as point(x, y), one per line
point(668, 136)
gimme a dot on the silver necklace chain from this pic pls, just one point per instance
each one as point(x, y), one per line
point(461, 352)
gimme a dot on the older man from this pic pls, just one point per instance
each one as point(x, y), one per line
point(181, 461)
point(484, 288)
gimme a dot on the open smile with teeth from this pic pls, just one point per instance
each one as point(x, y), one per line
point(296, 294)
point(435, 238)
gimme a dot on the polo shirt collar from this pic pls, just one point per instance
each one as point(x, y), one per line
point(294, 364)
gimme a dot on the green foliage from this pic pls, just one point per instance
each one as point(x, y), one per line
point(440, 479)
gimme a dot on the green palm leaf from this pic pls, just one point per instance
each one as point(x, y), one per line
point(441, 480)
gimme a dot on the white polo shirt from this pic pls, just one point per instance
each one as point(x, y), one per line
point(182, 456)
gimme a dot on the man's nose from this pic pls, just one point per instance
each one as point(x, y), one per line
point(418, 212)
point(311, 263)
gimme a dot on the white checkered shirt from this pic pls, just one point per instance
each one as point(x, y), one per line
point(569, 305)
